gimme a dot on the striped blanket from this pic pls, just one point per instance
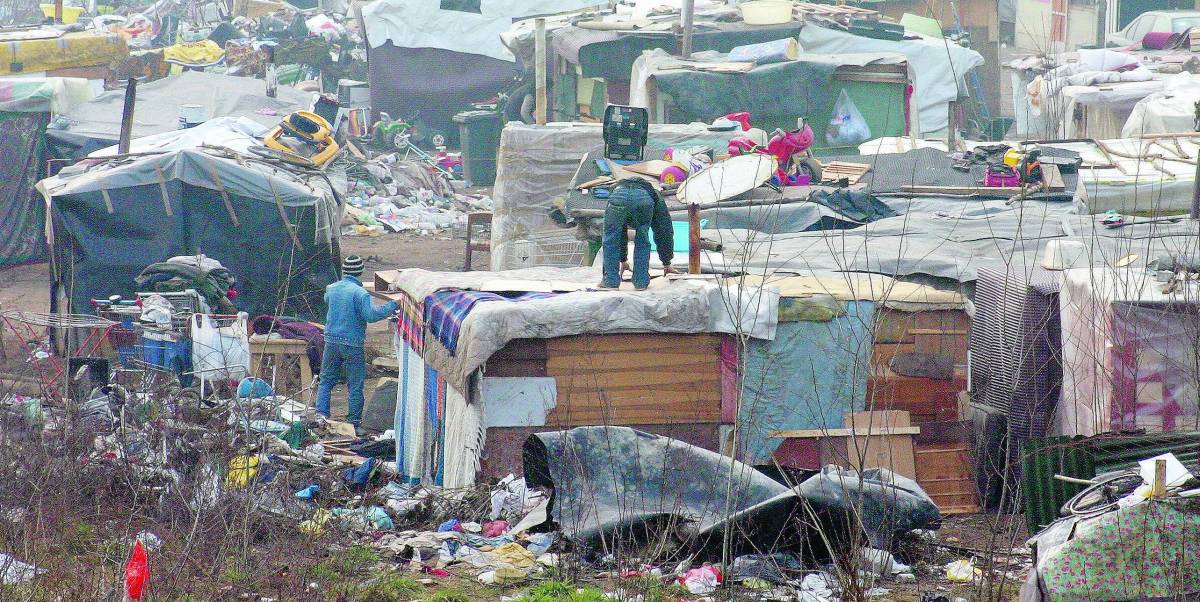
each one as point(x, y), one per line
point(445, 311)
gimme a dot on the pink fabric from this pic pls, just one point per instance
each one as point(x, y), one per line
point(729, 379)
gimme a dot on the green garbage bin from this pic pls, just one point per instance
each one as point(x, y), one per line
point(479, 135)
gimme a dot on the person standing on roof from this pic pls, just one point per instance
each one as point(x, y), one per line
point(634, 203)
point(350, 310)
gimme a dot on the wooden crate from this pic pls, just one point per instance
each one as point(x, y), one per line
point(869, 440)
point(635, 379)
point(946, 472)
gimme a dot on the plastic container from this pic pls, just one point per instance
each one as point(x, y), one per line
point(70, 13)
point(168, 351)
point(766, 12)
point(479, 137)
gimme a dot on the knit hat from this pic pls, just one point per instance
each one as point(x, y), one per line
point(352, 265)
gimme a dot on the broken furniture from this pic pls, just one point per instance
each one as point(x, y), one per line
point(283, 352)
point(482, 221)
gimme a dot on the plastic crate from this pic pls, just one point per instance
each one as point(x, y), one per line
point(168, 351)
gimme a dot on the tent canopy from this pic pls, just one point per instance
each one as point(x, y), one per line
point(275, 229)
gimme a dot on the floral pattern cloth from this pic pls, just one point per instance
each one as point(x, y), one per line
point(1146, 551)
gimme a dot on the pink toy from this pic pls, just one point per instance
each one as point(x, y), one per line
point(785, 145)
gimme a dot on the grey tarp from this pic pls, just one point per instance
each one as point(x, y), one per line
point(22, 216)
point(97, 124)
point(612, 484)
point(430, 85)
point(274, 229)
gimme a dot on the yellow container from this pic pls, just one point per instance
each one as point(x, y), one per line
point(70, 13)
point(1012, 157)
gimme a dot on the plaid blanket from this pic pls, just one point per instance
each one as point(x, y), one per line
point(446, 310)
point(410, 326)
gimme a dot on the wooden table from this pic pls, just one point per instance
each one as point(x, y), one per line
point(280, 349)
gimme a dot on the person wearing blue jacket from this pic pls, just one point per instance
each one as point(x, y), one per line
point(350, 310)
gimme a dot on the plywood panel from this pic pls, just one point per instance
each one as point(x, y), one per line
point(635, 379)
point(892, 326)
point(946, 472)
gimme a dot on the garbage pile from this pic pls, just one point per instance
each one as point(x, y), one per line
point(401, 195)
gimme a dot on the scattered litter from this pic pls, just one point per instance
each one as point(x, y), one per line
point(962, 571)
point(13, 571)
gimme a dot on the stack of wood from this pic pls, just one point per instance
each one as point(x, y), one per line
point(918, 363)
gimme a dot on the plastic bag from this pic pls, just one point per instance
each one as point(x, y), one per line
point(220, 352)
point(847, 126)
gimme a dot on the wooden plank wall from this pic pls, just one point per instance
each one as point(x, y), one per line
point(925, 399)
point(635, 379)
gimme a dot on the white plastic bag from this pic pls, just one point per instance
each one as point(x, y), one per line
point(220, 352)
point(847, 126)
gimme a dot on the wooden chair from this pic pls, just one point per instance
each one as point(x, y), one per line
point(477, 219)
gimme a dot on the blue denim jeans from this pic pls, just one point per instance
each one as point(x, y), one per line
point(627, 206)
point(335, 358)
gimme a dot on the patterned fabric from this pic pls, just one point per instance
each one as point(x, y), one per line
point(244, 59)
point(411, 325)
point(445, 311)
point(1147, 551)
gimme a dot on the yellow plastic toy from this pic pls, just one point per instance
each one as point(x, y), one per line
point(304, 138)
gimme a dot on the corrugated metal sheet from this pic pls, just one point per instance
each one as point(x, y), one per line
point(1015, 348)
point(1084, 458)
point(1043, 458)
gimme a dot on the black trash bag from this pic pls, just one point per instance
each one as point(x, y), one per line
point(890, 504)
point(858, 206)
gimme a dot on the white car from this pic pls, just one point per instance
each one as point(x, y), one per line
point(1174, 21)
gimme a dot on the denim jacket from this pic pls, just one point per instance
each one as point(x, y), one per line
point(350, 309)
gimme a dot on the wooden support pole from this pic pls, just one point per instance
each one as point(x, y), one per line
point(688, 14)
point(951, 134)
point(127, 116)
point(1159, 487)
point(58, 11)
point(539, 71)
point(693, 238)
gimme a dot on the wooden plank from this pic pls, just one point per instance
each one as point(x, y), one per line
point(630, 342)
point(1052, 178)
point(862, 432)
point(894, 326)
point(631, 361)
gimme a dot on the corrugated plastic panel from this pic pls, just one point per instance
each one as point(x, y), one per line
point(1043, 458)
point(1084, 458)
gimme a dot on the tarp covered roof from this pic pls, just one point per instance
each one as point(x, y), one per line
point(158, 102)
point(274, 227)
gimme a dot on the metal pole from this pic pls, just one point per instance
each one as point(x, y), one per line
point(539, 71)
point(688, 15)
point(127, 116)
